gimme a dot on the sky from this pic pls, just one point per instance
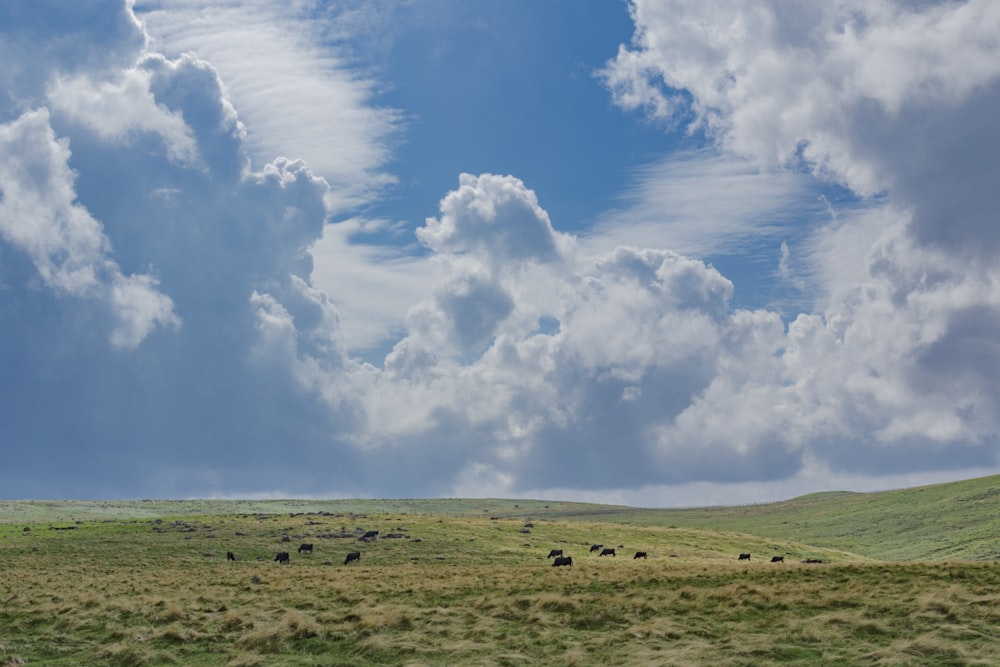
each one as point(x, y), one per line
point(661, 253)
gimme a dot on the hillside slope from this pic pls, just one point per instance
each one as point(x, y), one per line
point(953, 521)
point(956, 520)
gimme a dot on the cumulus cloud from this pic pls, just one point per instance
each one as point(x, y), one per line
point(159, 184)
point(294, 85)
point(70, 40)
point(116, 110)
point(493, 216)
point(553, 369)
point(158, 217)
point(72, 255)
point(890, 100)
point(784, 81)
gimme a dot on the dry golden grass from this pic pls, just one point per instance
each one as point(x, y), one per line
point(471, 592)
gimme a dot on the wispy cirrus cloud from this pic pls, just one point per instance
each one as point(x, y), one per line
point(705, 203)
point(298, 93)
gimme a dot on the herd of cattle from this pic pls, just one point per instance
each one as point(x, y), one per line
point(284, 557)
point(559, 558)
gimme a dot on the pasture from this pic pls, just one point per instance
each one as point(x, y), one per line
point(461, 588)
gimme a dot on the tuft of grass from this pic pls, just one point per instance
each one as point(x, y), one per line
point(269, 638)
point(236, 620)
point(245, 660)
point(167, 611)
point(123, 654)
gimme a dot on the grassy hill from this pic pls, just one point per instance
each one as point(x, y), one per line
point(953, 521)
point(458, 581)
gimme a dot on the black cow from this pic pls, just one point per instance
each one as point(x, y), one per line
point(369, 536)
point(562, 560)
point(230, 555)
point(555, 553)
point(596, 547)
point(639, 554)
point(283, 557)
point(306, 547)
point(607, 552)
point(777, 559)
point(353, 556)
point(744, 556)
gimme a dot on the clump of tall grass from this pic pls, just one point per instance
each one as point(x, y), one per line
point(301, 626)
point(236, 620)
point(167, 611)
point(275, 635)
point(175, 632)
point(13, 661)
point(922, 650)
point(264, 639)
point(242, 659)
point(384, 616)
point(121, 654)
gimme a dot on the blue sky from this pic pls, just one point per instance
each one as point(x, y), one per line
point(660, 253)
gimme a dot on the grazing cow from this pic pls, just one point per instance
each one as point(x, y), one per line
point(555, 553)
point(744, 556)
point(282, 558)
point(353, 556)
point(562, 560)
point(639, 554)
point(230, 555)
point(306, 547)
point(607, 552)
point(596, 547)
point(777, 559)
point(369, 536)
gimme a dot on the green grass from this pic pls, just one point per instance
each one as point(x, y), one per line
point(469, 590)
point(958, 520)
point(905, 580)
point(14, 511)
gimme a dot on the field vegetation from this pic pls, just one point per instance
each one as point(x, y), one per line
point(958, 520)
point(467, 582)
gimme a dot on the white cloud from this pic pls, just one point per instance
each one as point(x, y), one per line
point(526, 361)
point(703, 204)
point(373, 285)
point(295, 88)
point(891, 100)
point(781, 81)
point(494, 216)
point(118, 110)
point(39, 216)
point(75, 40)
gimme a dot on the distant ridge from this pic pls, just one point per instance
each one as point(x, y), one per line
point(951, 521)
point(825, 495)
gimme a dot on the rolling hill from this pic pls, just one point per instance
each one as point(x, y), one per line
point(952, 521)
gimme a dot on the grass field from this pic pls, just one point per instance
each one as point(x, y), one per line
point(958, 520)
point(467, 582)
